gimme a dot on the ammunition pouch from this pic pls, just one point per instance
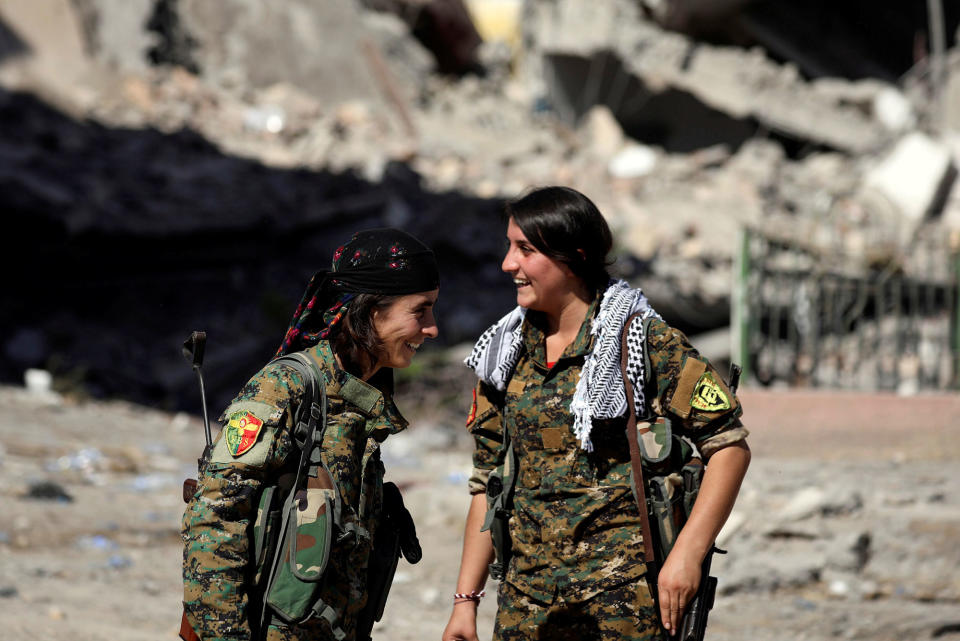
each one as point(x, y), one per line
point(304, 542)
point(298, 522)
point(673, 476)
point(500, 486)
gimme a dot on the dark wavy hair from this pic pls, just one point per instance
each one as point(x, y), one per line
point(356, 341)
point(565, 225)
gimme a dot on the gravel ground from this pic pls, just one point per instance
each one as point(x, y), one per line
point(105, 563)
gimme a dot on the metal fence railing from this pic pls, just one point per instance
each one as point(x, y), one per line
point(809, 317)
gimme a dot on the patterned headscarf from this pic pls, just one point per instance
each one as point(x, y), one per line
point(374, 261)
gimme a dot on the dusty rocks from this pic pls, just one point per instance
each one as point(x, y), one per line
point(163, 124)
point(877, 569)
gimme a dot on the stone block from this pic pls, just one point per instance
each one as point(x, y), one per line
point(915, 176)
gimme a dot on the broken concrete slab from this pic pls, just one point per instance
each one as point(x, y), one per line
point(601, 133)
point(249, 44)
point(740, 83)
point(58, 73)
point(915, 176)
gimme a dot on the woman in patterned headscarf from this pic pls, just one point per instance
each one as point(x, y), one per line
point(368, 314)
point(550, 421)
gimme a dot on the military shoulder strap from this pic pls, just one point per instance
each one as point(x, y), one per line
point(309, 413)
point(310, 421)
point(636, 460)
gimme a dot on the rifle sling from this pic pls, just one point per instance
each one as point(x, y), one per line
point(636, 459)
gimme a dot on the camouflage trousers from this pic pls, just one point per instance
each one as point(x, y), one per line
point(624, 613)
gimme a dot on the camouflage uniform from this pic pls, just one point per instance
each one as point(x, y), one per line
point(215, 525)
point(577, 561)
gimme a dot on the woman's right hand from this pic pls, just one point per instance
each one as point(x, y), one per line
point(463, 623)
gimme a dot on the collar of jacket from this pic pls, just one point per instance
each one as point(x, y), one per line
point(383, 417)
point(534, 336)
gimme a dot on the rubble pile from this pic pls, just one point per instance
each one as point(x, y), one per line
point(92, 502)
point(239, 144)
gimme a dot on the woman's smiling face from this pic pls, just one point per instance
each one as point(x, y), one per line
point(403, 326)
point(542, 282)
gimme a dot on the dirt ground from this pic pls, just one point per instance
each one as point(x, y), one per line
point(91, 506)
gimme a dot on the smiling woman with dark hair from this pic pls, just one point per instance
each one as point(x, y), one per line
point(356, 322)
point(552, 479)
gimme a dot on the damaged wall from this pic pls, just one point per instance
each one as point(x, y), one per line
point(679, 141)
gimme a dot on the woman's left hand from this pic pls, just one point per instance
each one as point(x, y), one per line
point(677, 584)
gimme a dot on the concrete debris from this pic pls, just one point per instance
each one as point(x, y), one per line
point(741, 84)
point(893, 109)
point(601, 132)
point(47, 491)
point(852, 552)
point(38, 382)
point(240, 125)
point(916, 176)
point(633, 162)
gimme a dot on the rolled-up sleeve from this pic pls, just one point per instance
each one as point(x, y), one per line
point(688, 388)
point(485, 424)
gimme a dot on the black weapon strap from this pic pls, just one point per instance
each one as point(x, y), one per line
point(636, 459)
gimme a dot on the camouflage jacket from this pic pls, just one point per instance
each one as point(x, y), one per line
point(576, 526)
point(253, 450)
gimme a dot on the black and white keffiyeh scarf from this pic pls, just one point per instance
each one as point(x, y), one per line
point(600, 392)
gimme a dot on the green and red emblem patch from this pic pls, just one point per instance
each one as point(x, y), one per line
point(241, 432)
point(708, 395)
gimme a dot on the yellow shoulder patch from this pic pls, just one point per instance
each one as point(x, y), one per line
point(708, 395)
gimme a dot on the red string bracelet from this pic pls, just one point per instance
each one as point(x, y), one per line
point(472, 595)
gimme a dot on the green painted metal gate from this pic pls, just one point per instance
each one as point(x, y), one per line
point(805, 317)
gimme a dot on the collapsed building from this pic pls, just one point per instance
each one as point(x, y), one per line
point(170, 164)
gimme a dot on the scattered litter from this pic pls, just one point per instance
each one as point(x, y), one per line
point(38, 381)
point(96, 542)
point(56, 613)
point(119, 561)
point(152, 482)
point(155, 448)
point(270, 119)
point(457, 478)
point(804, 503)
point(8, 592)
point(893, 110)
point(39, 384)
point(48, 491)
point(633, 162)
point(947, 628)
point(150, 587)
point(839, 588)
point(180, 422)
point(87, 460)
